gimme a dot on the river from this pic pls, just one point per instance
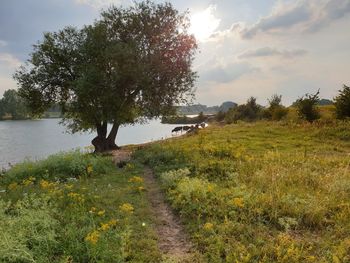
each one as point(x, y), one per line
point(36, 139)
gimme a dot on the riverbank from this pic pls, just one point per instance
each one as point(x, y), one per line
point(254, 192)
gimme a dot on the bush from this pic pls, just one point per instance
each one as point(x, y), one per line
point(248, 112)
point(342, 103)
point(276, 111)
point(306, 107)
point(59, 167)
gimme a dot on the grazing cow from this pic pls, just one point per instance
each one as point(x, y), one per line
point(186, 128)
point(177, 129)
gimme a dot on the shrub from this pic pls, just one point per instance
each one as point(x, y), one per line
point(248, 112)
point(306, 107)
point(276, 111)
point(58, 167)
point(342, 103)
point(170, 178)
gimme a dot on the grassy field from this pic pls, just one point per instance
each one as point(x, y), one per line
point(75, 208)
point(248, 192)
point(261, 192)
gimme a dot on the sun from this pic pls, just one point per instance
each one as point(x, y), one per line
point(204, 24)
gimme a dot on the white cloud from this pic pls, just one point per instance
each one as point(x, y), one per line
point(3, 43)
point(271, 52)
point(303, 16)
point(98, 4)
point(9, 61)
point(204, 24)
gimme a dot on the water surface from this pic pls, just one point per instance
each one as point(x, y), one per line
point(36, 139)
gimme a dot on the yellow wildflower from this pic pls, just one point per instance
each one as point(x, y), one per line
point(89, 169)
point(140, 188)
point(68, 186)
point(136, 179)
point(93, 237)
point(238, 201)
point(101, 212)
point(127, 208)
point(208, 226)
point(104, 227)
point(12, 186)
point(77, 197)
point(113, 222)
point(28, 181)
point(46, 184)
point(92, 210)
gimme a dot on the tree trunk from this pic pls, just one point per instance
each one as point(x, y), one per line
point(101, 142)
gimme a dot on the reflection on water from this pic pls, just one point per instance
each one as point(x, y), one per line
point(35, 139)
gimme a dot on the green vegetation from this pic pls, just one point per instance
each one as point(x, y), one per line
point(12, 106)
point(184, 119)
point(307, 107)
point(342, 103)
point(131, 63)
point(261, 192)
point(75, 208)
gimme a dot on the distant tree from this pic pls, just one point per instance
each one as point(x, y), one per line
point(13, 104)
point(275, 111)
point(132, 64)
point(249, 112)
point(342, 103)
point(220, 116)
point(306, 107)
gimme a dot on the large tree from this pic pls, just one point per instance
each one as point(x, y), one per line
point(131, 64)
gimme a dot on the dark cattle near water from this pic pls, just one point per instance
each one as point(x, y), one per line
point(177, 129)
point(186, 128)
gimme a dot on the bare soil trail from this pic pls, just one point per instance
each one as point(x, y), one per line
point(172, 238)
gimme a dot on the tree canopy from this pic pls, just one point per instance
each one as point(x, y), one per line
point(132, 63)
point(13, 106)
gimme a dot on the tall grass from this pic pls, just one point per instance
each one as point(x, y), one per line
point(261, 192)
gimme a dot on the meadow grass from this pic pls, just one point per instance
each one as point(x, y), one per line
point(261, 192)
point(75, 207)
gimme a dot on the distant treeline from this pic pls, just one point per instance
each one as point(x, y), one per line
point(199, 108)
point(308, 107)
point(13, 107)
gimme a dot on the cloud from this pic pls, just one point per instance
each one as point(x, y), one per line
point(304, 16)
point(98, 4)
point(226, 73)
point(270, 52)
point(204, 23)
point(3, 43)
point(9, 60)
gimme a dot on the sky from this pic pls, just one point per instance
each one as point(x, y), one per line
point(246, 47)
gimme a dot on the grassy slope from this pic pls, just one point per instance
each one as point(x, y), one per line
point(73, 221)
point(263, 192)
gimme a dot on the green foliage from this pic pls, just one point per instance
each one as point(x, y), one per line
point(13, 105)
point(261, 192)
point(102, 218)
point(342, 103)
point(306, 107)
point(28, 230)
point(59, 167)
point(132, 63)
point(250, 111)
point(276, 111)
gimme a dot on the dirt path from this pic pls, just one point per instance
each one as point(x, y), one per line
point(172, 239)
